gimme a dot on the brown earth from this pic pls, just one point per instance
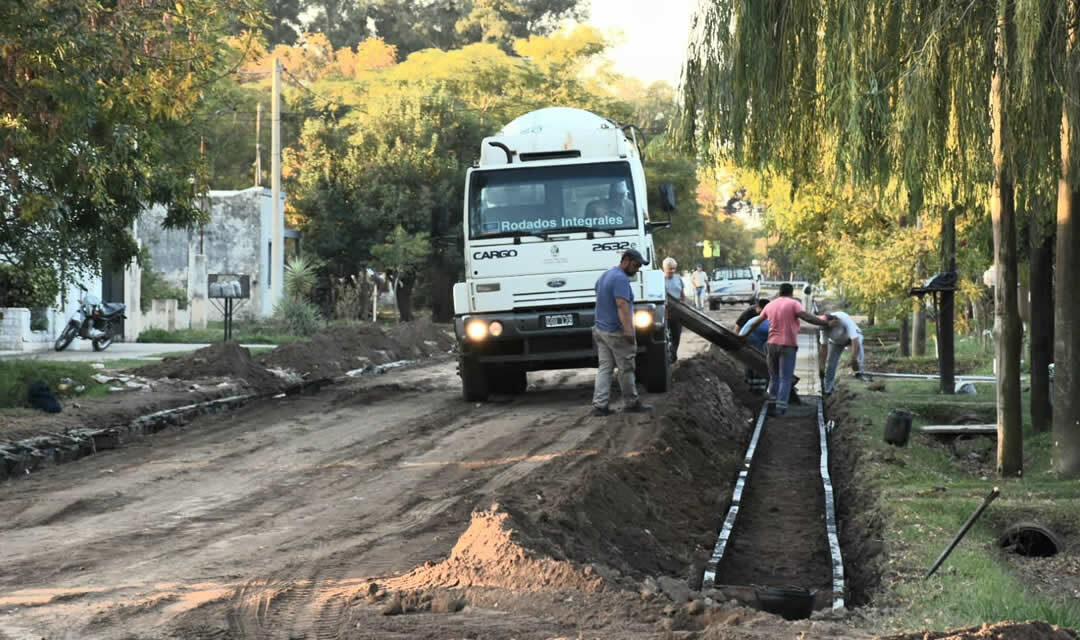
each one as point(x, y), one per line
point(386, 507)
point(336, 350)
point(226, 360)
point(1000, 631)
point(226, 369)
point(779, 537)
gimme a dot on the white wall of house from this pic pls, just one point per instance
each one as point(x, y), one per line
point(236, 240)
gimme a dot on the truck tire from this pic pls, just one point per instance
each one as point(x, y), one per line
point(656, 373)
point(474, 380)
point(713, 305)
point(510, 381)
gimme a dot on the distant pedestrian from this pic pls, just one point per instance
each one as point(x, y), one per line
point(673, 284)
point(700, 280)
point(616, 343)
point(782, 347)
point(841, 332)
point(756, 383)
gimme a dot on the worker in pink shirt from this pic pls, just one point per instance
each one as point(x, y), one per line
point(782, 347)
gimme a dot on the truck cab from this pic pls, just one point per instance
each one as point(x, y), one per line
point(556, 198)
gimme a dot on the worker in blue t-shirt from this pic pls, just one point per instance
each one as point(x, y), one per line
point(616, 344)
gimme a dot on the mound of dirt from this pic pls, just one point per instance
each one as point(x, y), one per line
point(221, 360)
point(648, 501)
point(336, 350)
point(493, 553)
point(999, 631)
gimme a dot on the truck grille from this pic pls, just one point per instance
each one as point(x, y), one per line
point(554, 296)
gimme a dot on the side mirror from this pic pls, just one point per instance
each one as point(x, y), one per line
point(667, 197)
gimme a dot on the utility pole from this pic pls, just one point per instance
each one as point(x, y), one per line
point(277, 253)
point(258, 146)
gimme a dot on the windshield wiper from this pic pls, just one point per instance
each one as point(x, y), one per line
point(554, 232)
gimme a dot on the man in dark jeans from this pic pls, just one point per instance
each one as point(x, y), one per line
point(757, 384)
point(783, 315)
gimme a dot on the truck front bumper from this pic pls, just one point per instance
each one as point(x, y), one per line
point(523, 337)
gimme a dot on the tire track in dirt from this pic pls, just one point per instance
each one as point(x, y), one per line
point(310, 603)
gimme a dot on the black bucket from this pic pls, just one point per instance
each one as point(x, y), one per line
point(791, 603)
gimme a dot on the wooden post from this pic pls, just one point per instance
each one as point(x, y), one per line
point(946, 310)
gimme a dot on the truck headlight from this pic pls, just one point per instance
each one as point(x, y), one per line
point(643, 319)
point(495, 328)
point(476, 330)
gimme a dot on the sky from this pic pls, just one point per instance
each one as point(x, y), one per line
point(655, 35)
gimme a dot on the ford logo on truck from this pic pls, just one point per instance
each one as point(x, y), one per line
point(556, 282)
point(498, 253)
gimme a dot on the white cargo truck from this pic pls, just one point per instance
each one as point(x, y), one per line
point(555, 199)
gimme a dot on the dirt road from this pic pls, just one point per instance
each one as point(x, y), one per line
point(268, 522)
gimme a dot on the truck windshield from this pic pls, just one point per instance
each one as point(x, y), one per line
point(545, 200)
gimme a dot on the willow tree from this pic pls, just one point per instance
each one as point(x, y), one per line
point(903, 87)
point(1066, 450)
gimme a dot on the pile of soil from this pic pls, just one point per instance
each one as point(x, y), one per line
point(222, 360)
point(336, 350)
point(493, 553)
point(999, 631)
point(649, 502)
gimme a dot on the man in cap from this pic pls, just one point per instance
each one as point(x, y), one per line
point(613, 334)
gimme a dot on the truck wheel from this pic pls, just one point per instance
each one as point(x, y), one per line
point(713, 305)
point(509, 381)
point(474, 380)
point(657, 370)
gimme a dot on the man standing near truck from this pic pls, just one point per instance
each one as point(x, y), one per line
point(673, 285)
point(783, 314)
point(613, 333)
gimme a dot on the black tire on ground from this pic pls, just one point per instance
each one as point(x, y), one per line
point(656, 373)
point(474, 380)
point(511, 381)
point(66, 336)
point(713, 305)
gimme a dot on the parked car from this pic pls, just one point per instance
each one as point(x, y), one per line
point(732, 285)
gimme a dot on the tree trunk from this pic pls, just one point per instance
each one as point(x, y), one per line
point(905, 335)
point(1007, 332)
point(918, 330)
point(1041, 325)
point(404, 289)
point(871, 316)
point(1066, 448)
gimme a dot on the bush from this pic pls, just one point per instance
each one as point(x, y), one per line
point(153, 286)
point(17, 375)
point(33, 287)
point(297, 317)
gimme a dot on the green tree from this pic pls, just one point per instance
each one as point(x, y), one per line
point(896, 96)
point(402, 255)
point(96, 107)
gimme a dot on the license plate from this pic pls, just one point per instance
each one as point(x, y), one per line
point(561, 320)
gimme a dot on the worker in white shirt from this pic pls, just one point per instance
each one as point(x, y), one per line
point(841, 333)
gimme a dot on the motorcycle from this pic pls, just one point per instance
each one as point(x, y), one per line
point(92, 320)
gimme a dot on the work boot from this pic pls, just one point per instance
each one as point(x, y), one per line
point(638, 407)
point(602, 411)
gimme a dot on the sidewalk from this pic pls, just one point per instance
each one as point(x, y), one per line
point(82, 351)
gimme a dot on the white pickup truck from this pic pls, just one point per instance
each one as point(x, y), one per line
point(556, 198)
point(731, 285)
